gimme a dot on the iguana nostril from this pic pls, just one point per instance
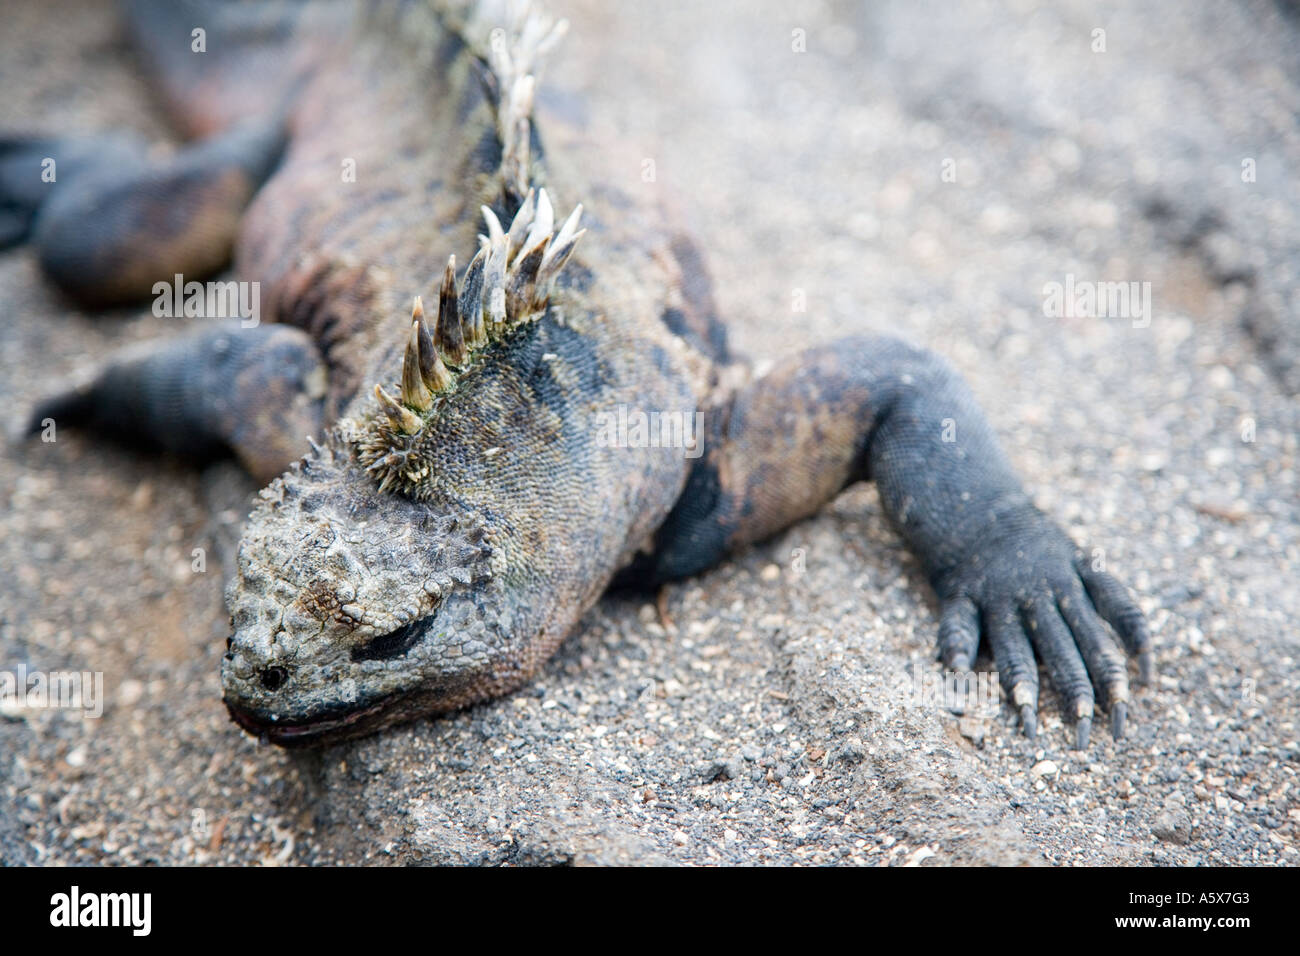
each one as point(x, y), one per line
point(273, 678)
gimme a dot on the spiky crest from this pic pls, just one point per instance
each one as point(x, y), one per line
point(507, 284)
point(511, 38)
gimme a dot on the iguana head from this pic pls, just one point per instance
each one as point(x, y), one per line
point(353, 609)
point(392, 573)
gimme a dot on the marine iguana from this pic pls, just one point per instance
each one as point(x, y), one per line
point(456, 512)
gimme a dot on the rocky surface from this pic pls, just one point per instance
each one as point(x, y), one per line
point(923, 170)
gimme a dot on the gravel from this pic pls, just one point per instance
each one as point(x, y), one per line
point(769, 717)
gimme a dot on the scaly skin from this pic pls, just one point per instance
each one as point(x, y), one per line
point(451, 529)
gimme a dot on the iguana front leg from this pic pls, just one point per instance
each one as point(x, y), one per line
point(257, 393)
point(111, 225)
point(878, 409)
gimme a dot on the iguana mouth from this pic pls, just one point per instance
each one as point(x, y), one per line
point(305, 733)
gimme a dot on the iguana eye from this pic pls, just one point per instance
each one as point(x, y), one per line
point(385, 647)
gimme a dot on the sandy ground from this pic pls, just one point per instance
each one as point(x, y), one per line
point(920, 170)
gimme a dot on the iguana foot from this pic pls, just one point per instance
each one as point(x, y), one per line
point(1029, 590)
point(781, 446)
point(108, 222)
point(32, 166)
